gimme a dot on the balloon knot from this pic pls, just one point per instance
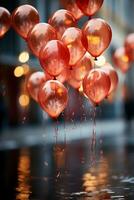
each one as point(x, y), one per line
point(95, 59)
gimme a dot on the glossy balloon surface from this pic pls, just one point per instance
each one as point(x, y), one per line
point(61, 20)
point(89, 7)
point(111, 72)
point(53, 97)
point(54, 57)
point(121, 59)
point(98, 34)
point(39, 36)
point(129, 46)
point(34, 83)
point(24, 18)
point(72, 7)
point(96, 85)
point(82, 67)
point(5, 21)
point(75, 41)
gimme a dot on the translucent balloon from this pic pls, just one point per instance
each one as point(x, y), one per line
point(129, 46)
point(24, 19)
point(5, 21)
point(111, 72)
point(72, 7)
point(61, 20)
point(89, 7)
point(121, 59)
point(34, 83)
point(74, 40)
point(96, 85)
point(39, 36)
point(53, 97)
point(98, 34)
point(54, 57)
point(82, 67)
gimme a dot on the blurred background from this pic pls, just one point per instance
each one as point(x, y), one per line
point(34, 148)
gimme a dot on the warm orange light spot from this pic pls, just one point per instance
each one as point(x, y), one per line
point(24, 100)
point(125, 58)
point(68, 22)
point(95, 40)
point(60, 91)
point(19, 71)
point(69, 46)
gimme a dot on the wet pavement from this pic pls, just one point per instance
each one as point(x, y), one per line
point(68, 168)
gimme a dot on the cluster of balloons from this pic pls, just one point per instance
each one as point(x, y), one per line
point(124, 56)
point(65, 52)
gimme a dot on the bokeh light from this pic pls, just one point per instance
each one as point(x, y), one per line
point(101, 60)
point(24, 100)
point(18, 71)
point(24, 57)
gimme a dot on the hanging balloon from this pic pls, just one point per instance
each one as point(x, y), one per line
point(61, 20)
point(54, 57)
point(5, 21)
point(72, 7)
point(129, 46)
point(39, 36)
point(24, 18)
point(111, 72)
point(89, 7)
point(63, 76)
point(98, 34)
point(121, 59)
point(76, 43)
point(34, 83)
point(82, 67)
point(53, 97)
point(96, 85)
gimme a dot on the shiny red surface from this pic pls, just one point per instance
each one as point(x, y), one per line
point(96, 85)
point(39, 36)
point(111, 72)
point(5, 21)
point(82, 67)
point(98, 34)
point(61, 20)
point(53, 98)
point(76, 43)
point(24, 18)
point(89, 7)
point(129, 46)
point(34, 83)
point(121, 59)
point(72, 7)
point(54, 57)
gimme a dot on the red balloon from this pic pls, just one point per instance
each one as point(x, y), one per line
point(111, 72)
point(98, 34)
point(74, 40)
point(53, 97)
point(34, 83)
point(72, 7)
point(129, 46)
point(61, 20)
point(82, 67)
point(54, 57)
point(5, 21)
point(63, 76)
point(121, 59)
point(39, 36)
point(89, 7)
point(96, 85)
point(24, 19)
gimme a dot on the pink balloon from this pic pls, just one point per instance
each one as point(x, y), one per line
point(82, 67)
point(54, 57)
point(61, 20)
point(96, 85)
point(75, 41)
point(5, 21)
point(24, 18)
point(121, 59)
point(53, 97)
point(39, 36)
point(111, 72)
point(34, 83)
